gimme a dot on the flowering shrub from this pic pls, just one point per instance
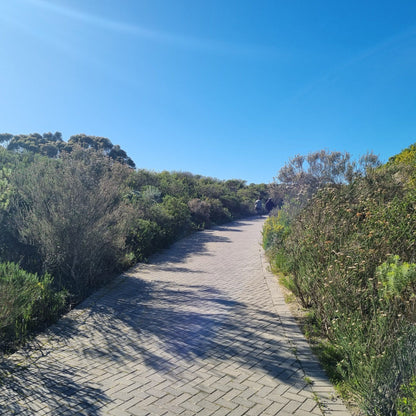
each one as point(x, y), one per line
point(349, 254)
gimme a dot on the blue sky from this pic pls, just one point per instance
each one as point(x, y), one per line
point(222, 88)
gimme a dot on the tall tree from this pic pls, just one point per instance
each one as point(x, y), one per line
point(52, 145)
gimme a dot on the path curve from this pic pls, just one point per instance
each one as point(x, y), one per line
point(201, 330)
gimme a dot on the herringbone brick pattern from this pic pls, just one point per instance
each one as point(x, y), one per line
point(201, 330)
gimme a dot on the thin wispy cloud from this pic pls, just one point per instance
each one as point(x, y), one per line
point(65, 47)
point(334, 74)
point(157, 36)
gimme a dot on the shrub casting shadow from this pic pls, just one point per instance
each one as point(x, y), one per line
point(51, 385)
point(194, 244)
point(189, 323)
point(159, 324)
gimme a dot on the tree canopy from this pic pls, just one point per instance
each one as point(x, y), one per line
point(52, 145)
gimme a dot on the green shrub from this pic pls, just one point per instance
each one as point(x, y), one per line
point(72, 211)
point(151, 194)
point(406, 403)
point(80, 214)
point(27, 302)
point(218, 213)
point(338, 254)
point(175, 219)
point(275, 231)
point(397, 279)
point(200, 212)
point(144, 239)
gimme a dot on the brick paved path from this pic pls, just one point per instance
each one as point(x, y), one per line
point(202, 330)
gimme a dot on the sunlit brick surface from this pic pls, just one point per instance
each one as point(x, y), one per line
point(201, 330)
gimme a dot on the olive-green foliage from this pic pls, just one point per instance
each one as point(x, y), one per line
point(275, 231)
point(177, 203)
point(406, 403)
point(5, 194)
point(339, 248)
point(174, 217)
point(397, 280)
point(10, 247)
point(116, 215)
point(302, 176)
point(27, 301)
point(200, 212)
point(5, 187)
point(406, 157)
point(77, 211)
point(219, 213)
point(349, 254)
point(72, 212)
point(47, 144)
point(170, 205)
point(52, 145)
point(144, 239)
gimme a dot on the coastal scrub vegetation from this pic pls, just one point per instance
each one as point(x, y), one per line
point(344, 240)
point(73, 214)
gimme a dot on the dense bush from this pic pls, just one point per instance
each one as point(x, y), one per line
point(349, 254)
point(77, 212)
point(27, 302)
point(144, 239)
point(52, 145)
point(72, 212)
point(200, 212)
point(406, 403)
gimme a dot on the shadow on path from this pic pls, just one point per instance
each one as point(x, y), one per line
point(26, 390)
point(160, 325)
point(195, 244)
point(164, 323)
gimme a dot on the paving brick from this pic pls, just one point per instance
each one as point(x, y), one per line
point(274, 408)
point(243, 402)
point(257, 410)
point(138, 411)
point(208, 406)
point(181, 399)
point(293, 396)
point(238, 411)
point(188, 405)
point(300, 412)
point(226, 403)
point(202, 329)
point(222, 411)
point(291, 406)
point(308, 405)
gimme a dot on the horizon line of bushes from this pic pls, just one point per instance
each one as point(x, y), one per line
point(71, 220)
point(344, 242)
